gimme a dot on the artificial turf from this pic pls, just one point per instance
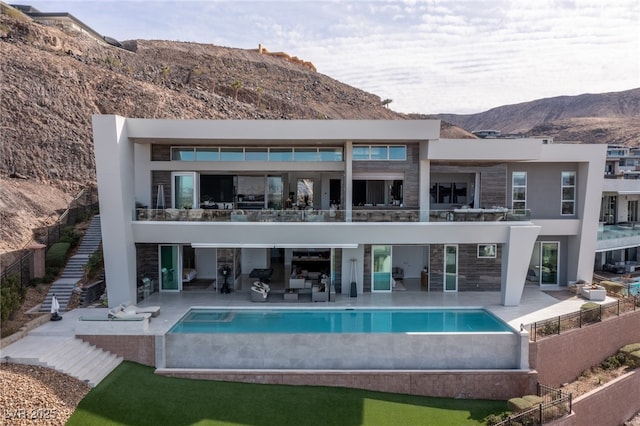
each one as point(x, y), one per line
point(133, 395)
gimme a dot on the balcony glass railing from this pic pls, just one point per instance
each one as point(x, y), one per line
point(611, 232)
point(360, 215)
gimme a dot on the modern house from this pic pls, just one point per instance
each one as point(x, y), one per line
point(619, 233)
point(352, 202)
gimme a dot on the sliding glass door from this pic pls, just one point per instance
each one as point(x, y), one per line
point(184, 190)
point(450, 268)
point(381, 269)
point(170, 268)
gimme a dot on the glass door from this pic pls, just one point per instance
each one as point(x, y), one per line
point(184, 190)
point(170, 268)
point(549, 267)
point(381, 269)
point(274, 192)
point(450, 268)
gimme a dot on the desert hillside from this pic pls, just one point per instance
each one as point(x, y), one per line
point(610, 118)
point(53, 80)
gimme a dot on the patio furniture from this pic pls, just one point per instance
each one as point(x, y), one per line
point(397, 273)
point(593, 292)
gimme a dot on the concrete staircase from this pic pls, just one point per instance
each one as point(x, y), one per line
point(74, 269)
point(66, 354)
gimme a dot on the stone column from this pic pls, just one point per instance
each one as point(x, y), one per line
point(36, 267)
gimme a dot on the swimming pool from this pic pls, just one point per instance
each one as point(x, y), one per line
point(339, 321)
point(342, 339)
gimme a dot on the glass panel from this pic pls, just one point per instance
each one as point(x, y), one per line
point(182, 154)
point(207, 154)
point(305, 154)
point(568, 207)
point(274, 192)
point(519, 194)
point(183, 191)
point(568, 193)
point(281, 154)
point(549, 263)
point(251, 192)
point(444, 193)
point(519, 178)
point(460, 193)
point(169, 268)
point(568, 178)
point(360, 152)
point(231, 154)
point(255, 154)
point(519, 205)
point(450, 268)
point(305, 192)
point(378, 152)
point(397, 153)
point(381, 268)
point(330, 154)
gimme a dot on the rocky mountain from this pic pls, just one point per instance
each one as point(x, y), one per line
point(54, 79)
point(610, 118)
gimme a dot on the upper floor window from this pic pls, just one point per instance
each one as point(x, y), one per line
point(379, 152)
point(519, 190)
point(568, 193)
point(256, 154)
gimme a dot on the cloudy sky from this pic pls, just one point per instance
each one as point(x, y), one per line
point(436, 56)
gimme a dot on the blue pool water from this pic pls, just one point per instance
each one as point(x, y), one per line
point(339, 321)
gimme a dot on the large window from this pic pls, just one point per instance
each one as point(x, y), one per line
point(257, 154)
point(377, 192)
point(379, 152)
point(449, 193)
point(519, 191)
point(568, 193)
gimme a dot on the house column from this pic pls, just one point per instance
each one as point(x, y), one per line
point(115, 174)
point(516, 254)
point(348, 180)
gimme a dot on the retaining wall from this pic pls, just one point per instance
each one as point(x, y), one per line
point(560, 359)
point(136, 348)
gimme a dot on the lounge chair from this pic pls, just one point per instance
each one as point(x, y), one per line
point(119, 314)
point(133, 309)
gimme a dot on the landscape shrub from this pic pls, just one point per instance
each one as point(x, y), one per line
point(627, 349)
point(614, 361)
point(533, 399)
point(94, 264)
point(519, 404)
point(494, 419)
point(634, 357)
point(590, 312)
point(613, 287)
point(12, 295)
point(70, 235)
point(57, 254)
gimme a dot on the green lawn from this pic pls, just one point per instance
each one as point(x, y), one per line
point(133, 395)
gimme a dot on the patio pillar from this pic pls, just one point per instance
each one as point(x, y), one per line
point(516, 254)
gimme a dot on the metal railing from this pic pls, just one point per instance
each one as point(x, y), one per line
point(331, 215)
point(579, 319)
point(80, 207)
point(556, 404)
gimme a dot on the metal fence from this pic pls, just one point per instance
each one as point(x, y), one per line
point(581, 318)
point(80, 208)
point(556, 404)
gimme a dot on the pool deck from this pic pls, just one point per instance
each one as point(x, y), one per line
point(536, 305)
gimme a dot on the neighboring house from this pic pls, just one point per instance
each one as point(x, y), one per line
point(350, 199)
point(63, 20)
point(619, 231)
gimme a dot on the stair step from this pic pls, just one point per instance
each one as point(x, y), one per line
point(105, 369)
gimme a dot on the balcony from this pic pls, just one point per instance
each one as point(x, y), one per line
point(611, 237)
point(332, 215)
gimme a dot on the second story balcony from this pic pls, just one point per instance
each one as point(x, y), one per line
point(618, 236)
point(494, 214)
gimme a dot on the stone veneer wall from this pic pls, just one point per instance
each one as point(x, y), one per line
point(474, 274)
point(560, 359)
point(136, 348)
point(161, 177)
point(160, 153)
point(471, 384)
point(147, 261)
